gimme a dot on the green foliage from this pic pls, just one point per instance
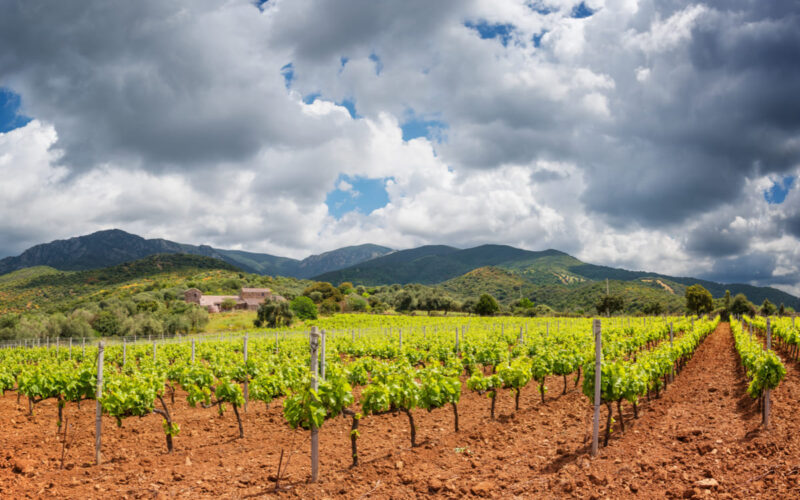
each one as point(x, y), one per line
point(764, 368)
point(228, 391)
point(306, 407)
point(329, 306)
point(524, 303)
point(767, 308)
point(610, 304)
point(486, 305)
point(392, 388)
point(274, 314)
point(131, 396)
point(653, 309)
point(303, 307)
point(698, 300)
point(438, 388)
point(357, 304)
point(107, 324)
point(321, 291)
point(741, 306)
point(228, 304)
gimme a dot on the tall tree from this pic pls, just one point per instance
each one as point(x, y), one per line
point(486, 305)
point(273, 314)
point(741, 305)
point(610, 304)
point(768, 308)
point(699, 300)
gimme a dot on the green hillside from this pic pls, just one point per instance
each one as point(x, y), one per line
point(756, 294)
point(46, 289)
point(499, 283)
point(453, 268)
point(434, 264)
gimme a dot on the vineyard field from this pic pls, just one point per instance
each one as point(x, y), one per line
point(701, 436)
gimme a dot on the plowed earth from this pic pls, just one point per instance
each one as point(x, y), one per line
point(702, 437)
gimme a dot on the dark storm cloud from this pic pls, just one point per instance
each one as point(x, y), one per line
point(717, 241)
point(732, 112)
point(329, 30)
point(755, 266)
point(791, 224)
point(148, 82)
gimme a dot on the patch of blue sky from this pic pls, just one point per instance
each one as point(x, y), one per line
point(537, 39)
point(261, 4)
point(488, 31)
point(310, 98)
point(357, 194)
point(540, 8)
point(288, 74)
point(10, 118)
point(378, 63)
point(350, 104)
point(776, 194)
point(581, 11)
point(417, 127)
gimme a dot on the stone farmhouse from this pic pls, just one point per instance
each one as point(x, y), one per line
point(248, 299)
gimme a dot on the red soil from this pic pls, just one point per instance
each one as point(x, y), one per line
point(703, 427)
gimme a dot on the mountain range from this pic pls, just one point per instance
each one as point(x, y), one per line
point(114, 246)
point(504, 271)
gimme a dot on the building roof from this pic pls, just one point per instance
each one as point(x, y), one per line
point(210, 300)
point(255, 290)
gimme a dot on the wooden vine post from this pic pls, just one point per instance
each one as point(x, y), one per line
point(671, 342)
point(322, 356)
point(124, 352)
point(246, 374)
point(598, 360)
point(192, 351)
point(98, 419)
point(314, 344)
point(766, 392)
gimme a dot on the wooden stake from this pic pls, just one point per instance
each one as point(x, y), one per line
point(246, 375)
point(98, 419)
point(767, 392)
point(598, 359)
point(322, 369)
point(314, 344)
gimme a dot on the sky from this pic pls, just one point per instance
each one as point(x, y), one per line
point(650, 135)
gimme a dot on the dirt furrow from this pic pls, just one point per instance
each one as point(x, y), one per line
point(703, 437)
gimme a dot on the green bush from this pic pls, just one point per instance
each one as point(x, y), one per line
point(303, 307)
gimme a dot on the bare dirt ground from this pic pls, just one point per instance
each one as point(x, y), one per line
point(702, 437)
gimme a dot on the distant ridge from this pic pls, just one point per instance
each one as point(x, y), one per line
point(114, 246)
point(508, 271)
point(512, 272)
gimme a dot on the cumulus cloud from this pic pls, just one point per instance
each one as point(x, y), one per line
point(642, 136)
